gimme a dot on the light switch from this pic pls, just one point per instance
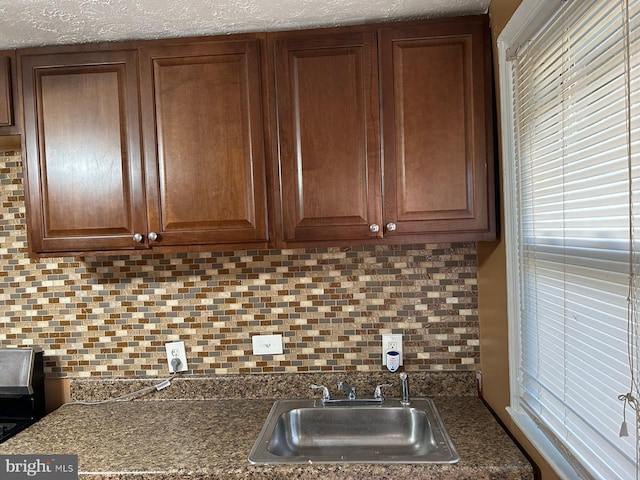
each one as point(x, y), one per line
point(267, 344)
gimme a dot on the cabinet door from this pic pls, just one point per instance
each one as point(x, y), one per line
point(6, 95)
point(327, 120)
point(204, 143)
point(437, 130)
point(82, 141)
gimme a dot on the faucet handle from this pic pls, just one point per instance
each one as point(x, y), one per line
point(325, 391)
point(378, 391)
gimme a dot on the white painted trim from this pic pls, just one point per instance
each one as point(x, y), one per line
point(526, 22)
point(510, 217)
point(544, 446)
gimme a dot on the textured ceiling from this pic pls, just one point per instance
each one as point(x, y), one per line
point(44, 22)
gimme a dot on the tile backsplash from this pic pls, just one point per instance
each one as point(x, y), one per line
point(111, 316)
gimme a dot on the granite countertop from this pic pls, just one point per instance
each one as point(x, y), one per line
point(211, 438)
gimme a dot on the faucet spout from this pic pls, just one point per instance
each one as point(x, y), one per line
point(348, 389)
point(404, 387)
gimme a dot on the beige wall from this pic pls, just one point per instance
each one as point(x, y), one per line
point(494, 349)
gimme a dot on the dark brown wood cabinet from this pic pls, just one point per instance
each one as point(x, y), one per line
point(201, 178)
point(327, 116)
point(6, 100)
point(83, 161)
point(9, 111)
point(434, 106)
point(371, 134)
point(436, 103)
point(204, 155)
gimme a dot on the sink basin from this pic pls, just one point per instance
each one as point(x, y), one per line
point(304, 431)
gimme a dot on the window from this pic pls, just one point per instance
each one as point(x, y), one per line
point(570, 91)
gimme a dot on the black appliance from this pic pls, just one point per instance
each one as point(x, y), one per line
point(21, 389)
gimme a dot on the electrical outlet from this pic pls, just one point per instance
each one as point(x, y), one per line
point(391, 343)
point(176, 353)
point(267, 344)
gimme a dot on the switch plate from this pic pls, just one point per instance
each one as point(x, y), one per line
point(176, 350)
point(391, 342)
point(267, 344)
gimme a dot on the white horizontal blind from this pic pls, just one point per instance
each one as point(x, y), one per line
point(576, 132)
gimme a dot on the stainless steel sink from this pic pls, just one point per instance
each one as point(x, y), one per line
point(304, 431)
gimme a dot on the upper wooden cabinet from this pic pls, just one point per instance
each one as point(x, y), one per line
point(6, 100)
point(204, 144)
point(83, 162)
point(9, 112)
point(434, 103)
point(375, 134)
point(327, 115)
point(437, 117)
point(201, 177)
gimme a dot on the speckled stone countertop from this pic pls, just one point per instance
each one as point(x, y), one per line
point(160, 439)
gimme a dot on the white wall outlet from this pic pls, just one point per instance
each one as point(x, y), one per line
point(176, 357)
point(391, 343)
point(267, 344)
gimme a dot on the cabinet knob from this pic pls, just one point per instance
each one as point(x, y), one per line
point(374, 228)
point(391, 227)
point(137, 237)
point(153, 236)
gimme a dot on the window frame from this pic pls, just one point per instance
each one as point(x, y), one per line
point(530, 17)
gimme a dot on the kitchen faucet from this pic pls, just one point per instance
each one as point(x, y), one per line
point(351, 399)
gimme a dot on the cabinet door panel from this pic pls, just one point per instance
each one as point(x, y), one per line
point(6, 92)
point(83, 153)
point(208, 183)
point(430, 101)
point(437, 129)
point(328, 134)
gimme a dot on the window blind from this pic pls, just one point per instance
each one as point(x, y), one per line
point(576, 111)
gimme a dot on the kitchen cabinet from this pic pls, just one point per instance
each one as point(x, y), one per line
point(407, 160)
point(437, 116)
point(9, 124)
point(6, 101)
point(204, 144)
point(201, 177)
point(375, 134)
point(83, 164)
point(328, 122)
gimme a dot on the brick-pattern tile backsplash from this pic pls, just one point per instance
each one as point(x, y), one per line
point(111, 316)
